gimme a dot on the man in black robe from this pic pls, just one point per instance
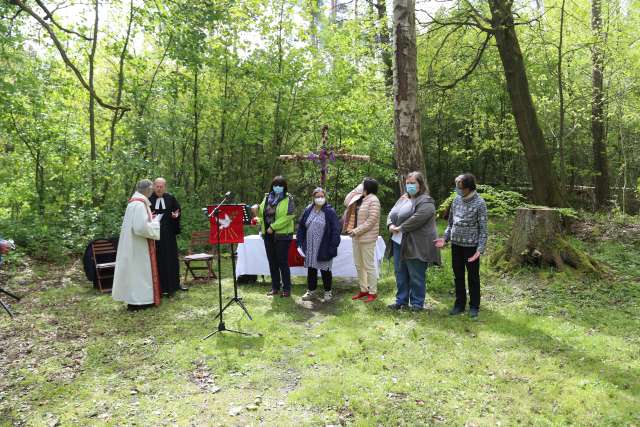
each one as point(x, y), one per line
point(163, 203)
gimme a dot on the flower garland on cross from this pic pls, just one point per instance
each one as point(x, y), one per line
point(323, 157)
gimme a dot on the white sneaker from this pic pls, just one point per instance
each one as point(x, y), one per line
point(308, 296)
point(327, 296)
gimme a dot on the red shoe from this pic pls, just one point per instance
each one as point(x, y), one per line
point(360, 295)
point(371, 298)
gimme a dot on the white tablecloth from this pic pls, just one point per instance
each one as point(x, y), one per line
point(252, 258)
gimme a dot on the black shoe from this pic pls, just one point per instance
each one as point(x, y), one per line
point(417, 308)
point(395, 306)
point(456, 310)
point(132, 307)
point(183, 289)
point(473, 313)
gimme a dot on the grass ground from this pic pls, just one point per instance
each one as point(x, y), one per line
point(549, 349)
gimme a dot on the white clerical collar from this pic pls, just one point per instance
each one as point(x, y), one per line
point(160, 202)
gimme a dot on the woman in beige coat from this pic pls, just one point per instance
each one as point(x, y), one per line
point(362, 223)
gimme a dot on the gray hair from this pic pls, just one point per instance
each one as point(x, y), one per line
point(318, 190)
point(144, 185)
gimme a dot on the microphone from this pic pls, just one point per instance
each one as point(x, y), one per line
point(227, 194)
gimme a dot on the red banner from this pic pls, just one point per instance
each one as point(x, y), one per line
point(231, 224)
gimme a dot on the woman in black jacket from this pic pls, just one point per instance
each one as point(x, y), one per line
point(318, 239)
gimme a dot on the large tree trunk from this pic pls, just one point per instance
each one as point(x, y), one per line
point(546, 190)
point(408, 145)
point(600, 162)
point(537, 239)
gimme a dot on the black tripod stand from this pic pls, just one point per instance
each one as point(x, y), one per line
point(221, 326)
point(5, 306)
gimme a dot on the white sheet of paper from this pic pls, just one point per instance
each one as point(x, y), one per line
point(397, 237)
point(159, 217)
point(301, 253)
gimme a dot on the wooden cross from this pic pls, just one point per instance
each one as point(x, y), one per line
point(323, 157)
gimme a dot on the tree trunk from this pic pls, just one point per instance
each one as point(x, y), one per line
point(277, 137)
point(223, 121)
point(384, 41)
point(537, 239)
point(546, 190)
point(92, 105)
point(563, 170)
point(117, 114)
point(123, 53)
point(196, 125)
point(600, 162)
point(405, 87)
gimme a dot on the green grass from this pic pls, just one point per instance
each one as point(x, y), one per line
point(549, 349)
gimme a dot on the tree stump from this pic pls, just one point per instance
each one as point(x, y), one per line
point(537, 239)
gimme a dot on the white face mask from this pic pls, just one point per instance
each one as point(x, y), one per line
point(320, 201)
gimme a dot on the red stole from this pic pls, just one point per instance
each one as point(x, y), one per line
point(155, 278)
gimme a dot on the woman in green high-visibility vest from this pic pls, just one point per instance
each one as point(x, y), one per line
point(277, 223)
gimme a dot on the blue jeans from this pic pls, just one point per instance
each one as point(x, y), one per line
point(411, 279)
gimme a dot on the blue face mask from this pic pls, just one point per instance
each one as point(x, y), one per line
point(460, 192)
point(412, 189)
point(278, 189)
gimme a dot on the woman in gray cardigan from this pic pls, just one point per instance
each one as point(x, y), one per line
point(413, 224)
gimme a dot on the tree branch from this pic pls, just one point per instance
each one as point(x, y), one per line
point(49, 15)
point(153, 77)
point(65, 58)
point(460, 21)
point(470, 69)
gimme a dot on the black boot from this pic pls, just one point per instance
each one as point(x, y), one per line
point(456, 310)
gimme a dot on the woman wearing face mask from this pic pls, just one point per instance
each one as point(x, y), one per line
point(318, 239)
point(276, 217)
point(413, 224)
point(467, 231)
point(362, 223)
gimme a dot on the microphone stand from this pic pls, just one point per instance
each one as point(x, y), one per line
point(221, 326)
point(5, 306)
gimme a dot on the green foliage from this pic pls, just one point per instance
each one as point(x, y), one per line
point(500, 203)
point(217, 91)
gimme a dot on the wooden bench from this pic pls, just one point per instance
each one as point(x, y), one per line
point(199, 239)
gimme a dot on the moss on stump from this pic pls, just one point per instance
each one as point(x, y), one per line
point(537, 239)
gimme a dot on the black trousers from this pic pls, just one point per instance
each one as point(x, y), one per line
point(459, 257)
point(312, 279)
point(278, 256)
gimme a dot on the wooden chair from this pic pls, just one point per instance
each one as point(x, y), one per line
point(199, 239)
point(104, 258)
